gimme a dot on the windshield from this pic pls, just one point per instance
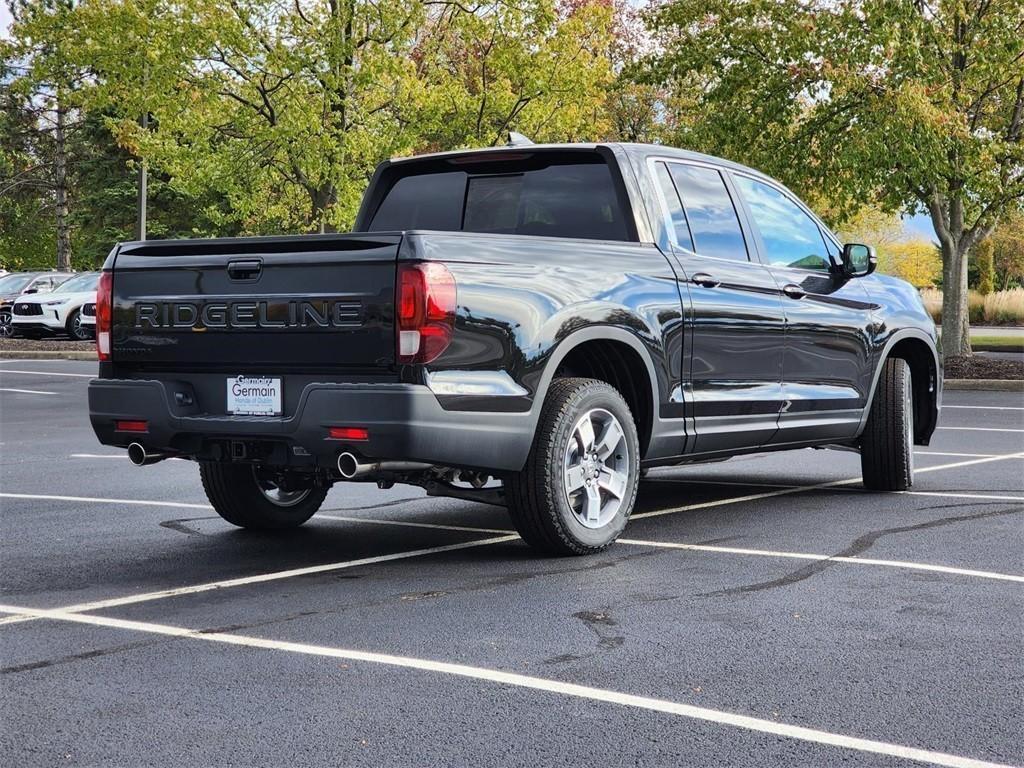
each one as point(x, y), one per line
point(12, 283)
point(86, 282)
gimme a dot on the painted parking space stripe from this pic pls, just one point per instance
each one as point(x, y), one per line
point(547, 685)
point(862, 491)
point(986, 407)
point(816, 486)
point(979, 429)
point(827, 558)
point(95, 500)
point(209, 586)
point(27, 391)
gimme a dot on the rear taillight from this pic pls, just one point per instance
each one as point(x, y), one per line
point(425, 309)
point(104, 297)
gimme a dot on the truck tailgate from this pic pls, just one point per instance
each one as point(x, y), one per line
point(266, 305)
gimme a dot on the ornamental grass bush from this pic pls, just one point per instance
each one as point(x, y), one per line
point(997, 308)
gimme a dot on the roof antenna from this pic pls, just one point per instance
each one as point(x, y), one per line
point(517, 140)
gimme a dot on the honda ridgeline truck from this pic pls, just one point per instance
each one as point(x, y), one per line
point(529, 325)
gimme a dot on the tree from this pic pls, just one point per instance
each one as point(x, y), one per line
point(920, 103)
point(916, 261)
point(283, 109)
point(41, 85)
point(540, 68)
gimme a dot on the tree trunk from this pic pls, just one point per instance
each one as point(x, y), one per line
point(60, 183)
point(956, 330)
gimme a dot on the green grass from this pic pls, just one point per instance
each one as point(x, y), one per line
point(997, 343)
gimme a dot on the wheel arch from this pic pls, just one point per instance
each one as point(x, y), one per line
point(609, 354)
point(920, 353)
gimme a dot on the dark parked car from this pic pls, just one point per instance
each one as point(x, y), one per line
point(530, 326)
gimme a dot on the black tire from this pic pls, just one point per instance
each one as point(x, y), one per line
point(887, 444)
point(235, 492)
point(74, 328)
point(539, 496)
point(6, 326)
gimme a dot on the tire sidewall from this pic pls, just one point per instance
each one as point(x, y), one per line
point(596, 395)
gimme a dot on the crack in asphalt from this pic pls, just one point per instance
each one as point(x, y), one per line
point(85, 656)
point(859, 546)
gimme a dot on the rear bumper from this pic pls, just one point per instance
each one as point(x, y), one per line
point(405, 422)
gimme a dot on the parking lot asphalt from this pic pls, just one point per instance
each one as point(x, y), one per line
point(765, 611)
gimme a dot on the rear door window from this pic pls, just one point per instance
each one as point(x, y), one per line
point(575, 200)
point(714, 224)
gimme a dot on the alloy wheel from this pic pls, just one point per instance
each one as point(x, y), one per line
point(596, 468)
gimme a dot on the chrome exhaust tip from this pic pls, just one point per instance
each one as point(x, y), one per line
point(140, 457)
point(349, 466)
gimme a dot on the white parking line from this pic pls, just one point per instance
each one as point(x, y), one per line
point(145, 597)
point(979, 429)
point(987, 407)
point(94, 500)
point(864, 491)
point(947, 453)
point(499, 677)
point(51, 373)
point(410, 524)
point(826, 558)
point(123, 456)
point(817, 486)
point(26, 391)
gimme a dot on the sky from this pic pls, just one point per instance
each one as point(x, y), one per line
point(5, 18)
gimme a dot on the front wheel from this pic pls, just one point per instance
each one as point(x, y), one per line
point(6, 326)
point(887, 445)
point(263, 498)
point(75, 329)
point(577, 490)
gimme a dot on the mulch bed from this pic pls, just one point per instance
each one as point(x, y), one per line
point(46, 345)
point(978, 367)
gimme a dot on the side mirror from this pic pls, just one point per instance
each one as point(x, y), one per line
point(31, 290)
point(859, 260)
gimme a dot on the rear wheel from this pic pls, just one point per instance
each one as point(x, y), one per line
point(887, 445)
point(264, 498)
point(577, 490)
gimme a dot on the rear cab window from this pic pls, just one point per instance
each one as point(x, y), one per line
point(713, 222)
point(571, 195)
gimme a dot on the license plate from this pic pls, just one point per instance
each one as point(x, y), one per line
point(254, 396)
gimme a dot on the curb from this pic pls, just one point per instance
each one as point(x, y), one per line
point(17, 354)
point(986, 385)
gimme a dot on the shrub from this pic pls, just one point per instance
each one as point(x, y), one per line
point(932, 298)
point(1005, 307)
point(998, 308)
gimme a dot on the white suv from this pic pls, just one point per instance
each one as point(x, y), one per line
point(59, 311)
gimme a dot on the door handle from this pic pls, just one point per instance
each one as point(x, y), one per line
point(706, 280)
point(794, 291)
point(244, 270)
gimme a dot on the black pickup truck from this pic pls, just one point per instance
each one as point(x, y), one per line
point(529, 325)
